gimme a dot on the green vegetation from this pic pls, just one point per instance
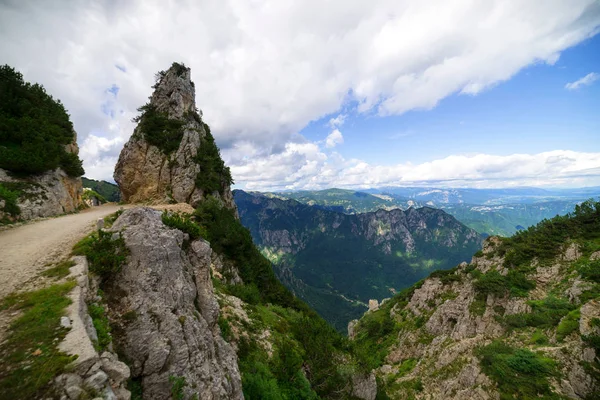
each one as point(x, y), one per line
point(184, 223)
point(546, 240)
point(107, 190)
point(514, 283)
point(60, 270)
point(519, 373)
point(105, 254)
point(29, 356)
point(213, 175)
point(337, 268)
point(109, 220)
point(568, 325)
point(91, 194)
point(159, 130)
point(302, 340)
point(10, 198)
point(177, 385)
point(477, 307)
point(545, 313)
point(100, 321)
point(446, 275)
point(34, 128)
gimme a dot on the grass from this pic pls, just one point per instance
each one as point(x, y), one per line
point(184, 223)
point(60, 270)
point(102, 326)
point(30, 358)
point(546, 313)
point(568, 325)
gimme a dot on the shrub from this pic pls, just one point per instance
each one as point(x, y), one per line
point(102, 326)
point(10, 198)
point(514, 283)
point(105, 254)
point(158, 129)
point(213, 175)
point(184, 223)
point(34, 128)
point(519, 373)
point(446, 276)
point(545, 313)
point(590, 271)
point(568, 325)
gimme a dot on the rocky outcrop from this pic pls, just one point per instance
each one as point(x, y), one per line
point(145, 172)
point(91, 373)
point(43, 195)
point(163, 303)
point(445, 320)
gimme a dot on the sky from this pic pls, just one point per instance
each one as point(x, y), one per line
point(335, 93)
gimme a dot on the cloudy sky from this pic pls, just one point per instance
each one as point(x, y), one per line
point(335, 93)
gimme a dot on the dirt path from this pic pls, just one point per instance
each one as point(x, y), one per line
point(27, 249)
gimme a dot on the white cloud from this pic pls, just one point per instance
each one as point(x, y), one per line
point(309, 168)
point(585, 81)
point(264, 69)
point(337, 121)
point(334, 138)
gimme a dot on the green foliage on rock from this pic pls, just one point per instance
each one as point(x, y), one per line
point(514, 283)
point(214, 176)
point(545, 313)
point(158, 129)
point(102, 326)
point(184, 223)
point(518, 373)
point(105, 254)
point(34, 128)
point(10, 198)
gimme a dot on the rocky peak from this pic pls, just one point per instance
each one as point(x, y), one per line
point(174, 92)
point(171, 156)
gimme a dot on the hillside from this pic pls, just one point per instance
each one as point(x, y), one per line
point(39, 164)
point(337, 262)
point(108, 190)
point(521, 320)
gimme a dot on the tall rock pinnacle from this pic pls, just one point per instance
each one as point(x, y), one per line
point(172, 156)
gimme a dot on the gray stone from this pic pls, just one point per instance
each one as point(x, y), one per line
point(96, 381)
point(116, 370)
point(74, 392)
point(364, 386)
point(164, 283)
point(65, 322)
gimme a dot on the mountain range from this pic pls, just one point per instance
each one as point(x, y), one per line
point(337, 262)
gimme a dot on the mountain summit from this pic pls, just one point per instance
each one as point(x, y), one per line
point(172, 155)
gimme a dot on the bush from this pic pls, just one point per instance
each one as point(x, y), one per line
point(514, 283)
point(158, 129)
point(102, 326)
point(10, 198)
point(519, 373)
point(590, 271)
point(446, 276)
point(545, 314)
point(34, 128)
point(184, 223)
point(213, 175)
point(568, 325)
point(105, 254)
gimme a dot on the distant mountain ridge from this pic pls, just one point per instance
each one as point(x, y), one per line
point(489, 211)
point(108, 190)
point(336, 262)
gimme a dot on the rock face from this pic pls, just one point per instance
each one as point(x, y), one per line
point(164, 303)
point(145, 173)
point(45, 195)
point(445, 320)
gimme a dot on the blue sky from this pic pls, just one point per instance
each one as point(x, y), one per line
point(532, 112)
point(357, 95)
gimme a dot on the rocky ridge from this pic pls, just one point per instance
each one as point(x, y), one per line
point(446, 336)
point(149, 172)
